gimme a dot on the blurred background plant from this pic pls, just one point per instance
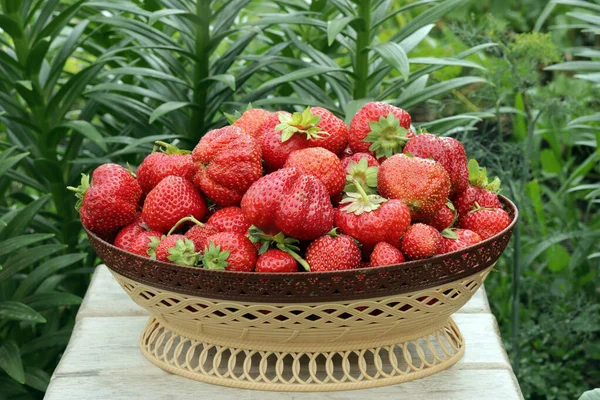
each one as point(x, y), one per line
point(84, 82)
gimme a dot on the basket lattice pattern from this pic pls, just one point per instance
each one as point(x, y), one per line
point(304, 347)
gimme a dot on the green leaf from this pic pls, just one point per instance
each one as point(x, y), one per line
point(45, 270)
point(157, 15)
point(549, 162)
point(15, 243)
point(427, 17)
point(37, 378)
point(55, 25)
point(10, 361)
point(54, 339)
point(36, 57)
point(88, 130)
point(394, 55)
point(546, 243)
point(227, 79)
point(445, 61)
point(46, 300)
point(26, 258)
point(15, 311)
point(558, 258)
point(520, 123)
point(17, 225)
point(335, 26)
point(575, 66)
point(296, 75)
point(8, 163)
point(10, 26)
point(438, 89)
point(352, 108)
point(144, 72)
point(167, 108)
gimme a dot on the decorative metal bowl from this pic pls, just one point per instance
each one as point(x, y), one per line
point(306, 331)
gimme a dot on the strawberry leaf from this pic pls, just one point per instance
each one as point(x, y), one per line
point(387, 137)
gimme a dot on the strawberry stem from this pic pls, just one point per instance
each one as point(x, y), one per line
point(183, 220)
point(168, 148)
point(80, 190)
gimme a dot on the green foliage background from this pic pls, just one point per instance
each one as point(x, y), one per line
point(92, 81)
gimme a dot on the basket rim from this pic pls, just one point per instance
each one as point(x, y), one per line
point(513, 210)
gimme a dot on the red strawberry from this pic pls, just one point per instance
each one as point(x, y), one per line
point(379, 129)
point(229, 219)
point(445, 150)
point(486, 222)
point(110, 202)
point(456, 239)
point(171, 200)
point(127, 234)
point(291, 202)
point(422, 241)
point(252, 120)
point(385, 254)
point(228, 162)
point(479, 191)
point(336, 138)
point(276, 150)
point(159, 165)
point(145, 243)
point(322, 164)
point(177, 249)
point(356, 157)
point(424, 185)
point(442, 218)
point(199, 233)
point(371, 219)
point(275, 260)
point(333, 253)
point(229, 251)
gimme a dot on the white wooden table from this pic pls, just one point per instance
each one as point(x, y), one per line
point(103, 360)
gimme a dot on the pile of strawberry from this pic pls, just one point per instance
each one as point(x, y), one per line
point(275, 191)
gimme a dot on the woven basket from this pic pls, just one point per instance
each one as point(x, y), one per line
point(305, 331)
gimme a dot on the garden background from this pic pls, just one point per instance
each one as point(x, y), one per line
point(87, 82)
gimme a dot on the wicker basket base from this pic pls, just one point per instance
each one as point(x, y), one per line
point(370, 366)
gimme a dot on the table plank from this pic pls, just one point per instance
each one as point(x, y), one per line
point(105, 298)
point(452, 384)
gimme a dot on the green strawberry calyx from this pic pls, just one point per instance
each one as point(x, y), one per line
point(360, 202)
point(449, 233)
point(154, 242)
point(184, 253)
point(189, 218)
point(360, 173)
point(232, 118)
point(80, 190)
point(304, 122)
point(387, 136)
point(279, 241)
point(168, 148)
point(478, 177)
point(215, 258)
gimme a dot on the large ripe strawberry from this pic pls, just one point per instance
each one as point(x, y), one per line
point(275, 260)
point(379, 129)
point(177, 249)
point(145, 243)
point(291, 202)
point(229, 251)
point(314, 127)
point(371, 219)
point(322, 164)
point(200, 233)
point(127, 234)
point(230, 219)
point(251, 121)
point(422, 241)
point(228, 161)
point(361, 169)
point(385, 254)
point(456, 239)
point(486, 222)
point(445, 150)
point(333, 252)
point(110, 202)
point(171, 200)
point(336, 138)
point(424, 185)
point(443, 218)
point(160, 164)
point(479, 190)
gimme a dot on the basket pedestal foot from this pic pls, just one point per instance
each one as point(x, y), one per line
point(312, 369)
